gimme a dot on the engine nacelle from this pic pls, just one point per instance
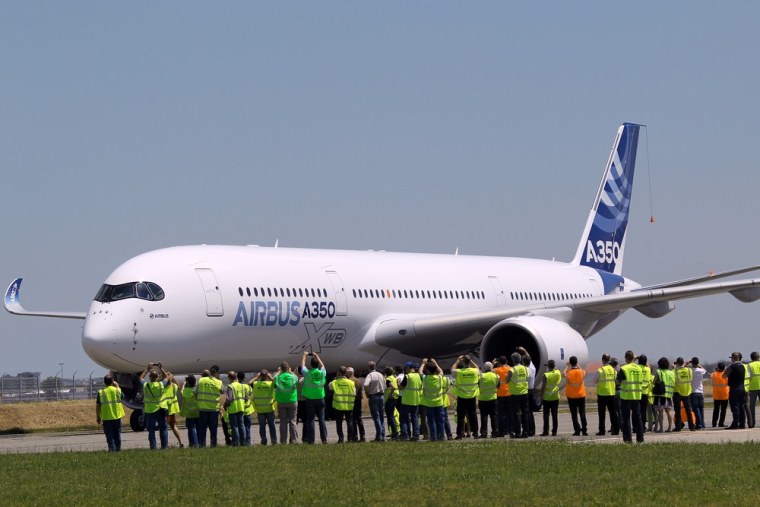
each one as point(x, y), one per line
point(542, 337)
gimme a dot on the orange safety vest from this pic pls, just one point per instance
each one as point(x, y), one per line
point(575, 387)
point(503, 389)
point(720, 386)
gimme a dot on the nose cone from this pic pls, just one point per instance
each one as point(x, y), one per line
point(102, 342)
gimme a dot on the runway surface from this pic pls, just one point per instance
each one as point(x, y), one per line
point(95, 441)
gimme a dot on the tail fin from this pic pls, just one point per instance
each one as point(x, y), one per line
point(603, 240)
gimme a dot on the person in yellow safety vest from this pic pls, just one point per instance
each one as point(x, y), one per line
point(170, 403)
point(518, 394)
point(356, 418)
point(754, 386)
point(629, 378)
point(189, 410)
point(234, 407)
point(432, 398)
point(344, 394)
point(314, 381)
point(390, 401)
point(550, 396)
point(747, 411)
point(487, 387)
point(208, 392)
point(286, 396)
point(575, 390)
point(682, 394)
point(411, 397)
point(155, 415)
point(445, 388)
point(109, 412)
point(646, 393)
point(467, 374)
point(248, 410)
point(720, 396)
point(664, 385)
point(605, 396)
point(263, 402)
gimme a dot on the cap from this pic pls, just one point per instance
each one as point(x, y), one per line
point(214, 368)
point(409, 364)
point(264, 371)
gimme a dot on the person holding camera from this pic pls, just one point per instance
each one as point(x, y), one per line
point(263, 403)
point(155, 415)
point(314, 380)
point(467, 375)
point(629, 377)
point(575, 390)
point(207, 393)
point(286, 395)
point(344, 390)
point(433, 391)
point(109, 412)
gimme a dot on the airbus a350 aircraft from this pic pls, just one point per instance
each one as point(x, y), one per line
point(250, 307)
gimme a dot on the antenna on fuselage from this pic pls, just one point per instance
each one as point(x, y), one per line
point(456, 252)
point(277, 242)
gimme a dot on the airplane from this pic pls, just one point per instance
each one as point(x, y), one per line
point(251, 307)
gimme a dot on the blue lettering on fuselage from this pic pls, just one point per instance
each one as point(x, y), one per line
point(268, 313)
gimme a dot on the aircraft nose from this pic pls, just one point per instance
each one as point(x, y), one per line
point(102, 342)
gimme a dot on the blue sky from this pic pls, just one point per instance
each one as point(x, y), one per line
point(407, 126)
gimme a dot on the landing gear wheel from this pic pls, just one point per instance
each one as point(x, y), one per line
point(137, 421)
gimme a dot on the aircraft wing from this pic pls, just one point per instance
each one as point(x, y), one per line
point(13, 304)
point(700, 279)
point(455, 331)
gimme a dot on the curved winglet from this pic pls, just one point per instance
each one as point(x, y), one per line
point(13, 304)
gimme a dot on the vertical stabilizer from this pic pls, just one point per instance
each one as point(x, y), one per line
point(603, 239)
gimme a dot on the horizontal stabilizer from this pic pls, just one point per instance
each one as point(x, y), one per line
point(13, 304)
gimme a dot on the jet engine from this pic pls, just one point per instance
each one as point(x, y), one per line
point(542, 337)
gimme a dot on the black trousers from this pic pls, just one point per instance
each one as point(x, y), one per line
point(631, 413)
point(607, 403)
point(677, 401)
point(503, 412)
point(550, 408)
point(487, 411)
point(719, 412)
point(348, 415)
point(578, 408)
point(519, 417)
point(467, 407)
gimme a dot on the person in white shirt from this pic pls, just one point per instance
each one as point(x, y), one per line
point(374, 386)
point(698, 393)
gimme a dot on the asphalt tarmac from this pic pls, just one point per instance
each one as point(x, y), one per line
point(95, 441)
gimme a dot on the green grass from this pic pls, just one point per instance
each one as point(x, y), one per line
point(471, 473)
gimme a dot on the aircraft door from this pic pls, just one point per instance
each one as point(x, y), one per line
point(213, 295)
point(341, 302)
point(501, 300)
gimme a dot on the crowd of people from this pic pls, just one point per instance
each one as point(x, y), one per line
point(413, 402)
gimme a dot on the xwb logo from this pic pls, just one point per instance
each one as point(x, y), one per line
point(322, 337)
point(605, 252)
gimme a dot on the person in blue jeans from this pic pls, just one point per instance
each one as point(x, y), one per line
point(374, 386)
point(155, 413)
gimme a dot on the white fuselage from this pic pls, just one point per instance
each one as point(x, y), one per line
point(246, 308)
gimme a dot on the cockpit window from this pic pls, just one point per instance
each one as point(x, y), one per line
point(148, 291)
point(158, 292)
point(123, 291)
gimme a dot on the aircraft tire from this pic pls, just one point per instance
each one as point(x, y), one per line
point(137, 421)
